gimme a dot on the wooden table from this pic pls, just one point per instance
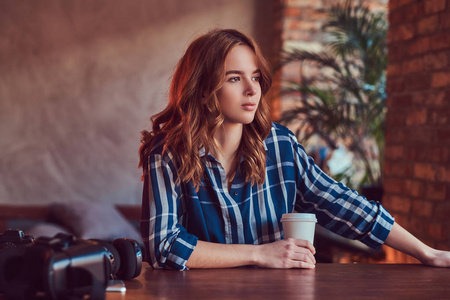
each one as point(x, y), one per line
point(327, 281)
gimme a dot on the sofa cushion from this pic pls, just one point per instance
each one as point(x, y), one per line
point(45, 229)
point(91, 220)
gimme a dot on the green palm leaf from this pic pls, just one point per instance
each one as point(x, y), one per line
point(346, 100)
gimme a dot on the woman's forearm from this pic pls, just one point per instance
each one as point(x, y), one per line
point(400, 239)
point(289, 253)
point(213, 255)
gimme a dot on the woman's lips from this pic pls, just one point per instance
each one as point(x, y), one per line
point(249, 106)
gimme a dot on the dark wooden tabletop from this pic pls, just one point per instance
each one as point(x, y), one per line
point(327, 281)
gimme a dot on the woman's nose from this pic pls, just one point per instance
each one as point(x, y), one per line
point(251, 92)
point(251, 88)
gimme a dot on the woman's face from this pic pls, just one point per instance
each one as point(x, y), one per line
point(241, 92)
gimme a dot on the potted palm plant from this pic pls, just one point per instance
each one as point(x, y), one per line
point(344, 102)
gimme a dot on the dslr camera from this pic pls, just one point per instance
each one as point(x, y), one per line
point(63, 267)
point(13, 238)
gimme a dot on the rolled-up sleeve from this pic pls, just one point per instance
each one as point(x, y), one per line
point(338, 208)
point(167, 243)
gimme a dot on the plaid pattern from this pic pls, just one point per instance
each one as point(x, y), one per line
point(174, 216)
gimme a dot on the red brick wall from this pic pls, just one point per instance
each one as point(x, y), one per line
point(417, 164)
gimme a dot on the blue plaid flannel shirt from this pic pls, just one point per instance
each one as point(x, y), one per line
point(175, 216)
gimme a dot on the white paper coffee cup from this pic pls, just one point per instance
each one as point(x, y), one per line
point(299, 226)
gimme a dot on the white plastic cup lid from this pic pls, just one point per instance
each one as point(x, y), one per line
point(295, 217)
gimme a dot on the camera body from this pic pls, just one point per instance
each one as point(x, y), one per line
point(63, 267)
point(14, 238)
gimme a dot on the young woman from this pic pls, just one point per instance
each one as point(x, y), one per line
point(218, 174)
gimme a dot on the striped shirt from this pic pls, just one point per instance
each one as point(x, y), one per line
point(175, 216)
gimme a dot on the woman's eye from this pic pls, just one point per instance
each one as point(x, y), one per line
point(234, 79)
point(256, 78)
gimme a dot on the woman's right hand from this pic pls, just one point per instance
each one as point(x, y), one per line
point(286, 254)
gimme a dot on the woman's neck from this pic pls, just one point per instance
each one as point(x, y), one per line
point(228, 138)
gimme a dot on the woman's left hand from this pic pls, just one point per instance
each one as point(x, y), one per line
point(437, 258)
point(400, 239)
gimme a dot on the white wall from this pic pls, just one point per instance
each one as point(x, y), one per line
point(79, 80)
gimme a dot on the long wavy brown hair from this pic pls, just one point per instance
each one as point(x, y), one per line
point(193, 114)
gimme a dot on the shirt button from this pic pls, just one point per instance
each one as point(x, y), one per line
point(235, 193)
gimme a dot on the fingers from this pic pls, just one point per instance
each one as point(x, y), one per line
point(285, 254)
point(300, 253)
point(304, 244)
point(305, 265)
point(303, 255)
